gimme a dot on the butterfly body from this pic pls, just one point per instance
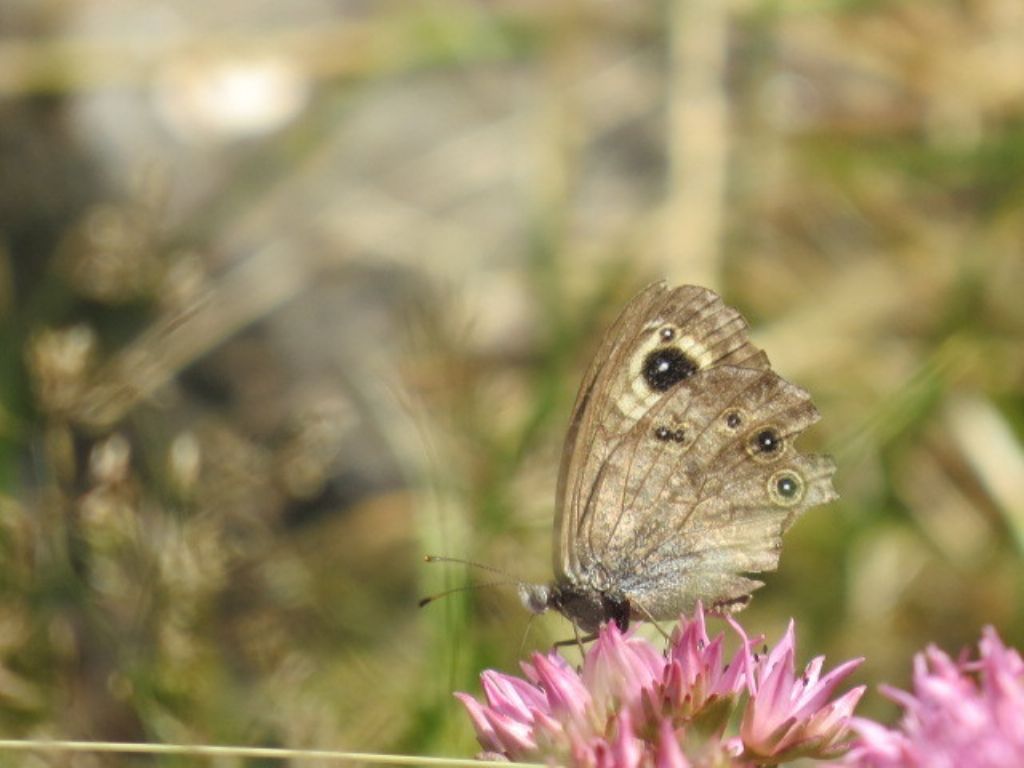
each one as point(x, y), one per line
point(585, 606)
point(679, 474)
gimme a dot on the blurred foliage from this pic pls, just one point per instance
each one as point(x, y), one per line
point(293, 293)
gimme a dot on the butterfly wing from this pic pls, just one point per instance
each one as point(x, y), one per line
point(700, 492)
point(627, 379)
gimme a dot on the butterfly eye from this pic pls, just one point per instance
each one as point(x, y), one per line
point(663, 368)
point(786, 488)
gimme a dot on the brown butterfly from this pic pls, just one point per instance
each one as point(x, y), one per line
point(679, 474)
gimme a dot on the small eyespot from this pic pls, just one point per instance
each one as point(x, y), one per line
point(667, 333)
point(786, 488)
point(768, 441)
point(733, 419)
point(665, 434)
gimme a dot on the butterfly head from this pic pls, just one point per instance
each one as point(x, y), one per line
point(536, 598)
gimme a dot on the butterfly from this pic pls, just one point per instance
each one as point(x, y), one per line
point(679, 473)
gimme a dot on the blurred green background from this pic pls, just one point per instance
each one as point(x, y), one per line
point(292, 293)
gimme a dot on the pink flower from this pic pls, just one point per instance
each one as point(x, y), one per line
point(694, 678)
point(790, 717)
point(631, 706)
point(961, 713)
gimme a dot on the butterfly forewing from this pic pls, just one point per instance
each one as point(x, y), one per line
point(592, 398)
point(614, 396)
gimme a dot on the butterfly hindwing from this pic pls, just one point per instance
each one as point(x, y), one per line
point(680, 473)
point(683, 517)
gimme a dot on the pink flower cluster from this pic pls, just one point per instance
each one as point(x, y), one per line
point(631, 705)
point(962, 713)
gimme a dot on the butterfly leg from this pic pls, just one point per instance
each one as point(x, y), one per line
point(650, 618)
point(577, 640)
point(526, 633)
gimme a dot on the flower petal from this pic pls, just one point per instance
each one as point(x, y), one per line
point(626, 749)
point(669, 754)
point(561, 685)
point(511, 696)
point(484, 731)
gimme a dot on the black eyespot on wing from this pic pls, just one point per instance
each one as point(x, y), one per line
point(733, 420)
point(787, 487)
point(663, 433)
point(767, 441)
point(667, 333)
point(667, 366)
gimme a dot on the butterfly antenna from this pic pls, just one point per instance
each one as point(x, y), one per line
point(505, 580)
point(471, 564)
point(466, 588)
